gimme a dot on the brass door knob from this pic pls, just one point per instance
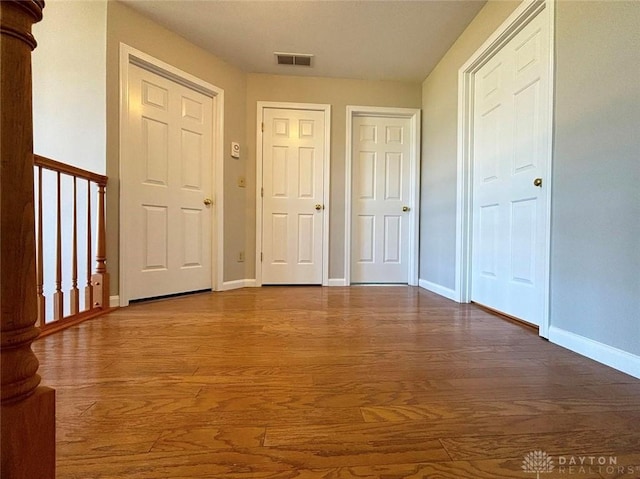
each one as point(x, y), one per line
point(318, 207)
point(537, 182)
point(405, 208)
point(208, 201)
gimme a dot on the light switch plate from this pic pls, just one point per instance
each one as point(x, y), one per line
point(235, 149)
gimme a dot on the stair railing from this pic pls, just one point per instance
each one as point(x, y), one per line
point(65, 224)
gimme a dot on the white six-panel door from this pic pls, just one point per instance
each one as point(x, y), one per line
point(380, 200)
point(292, 196)
point(167, 176)
point(510, 143)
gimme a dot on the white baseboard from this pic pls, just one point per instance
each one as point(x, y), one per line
point(114, 301)
point(337, 282)
point(441, 290)
point(603, 353)
point(237, 284)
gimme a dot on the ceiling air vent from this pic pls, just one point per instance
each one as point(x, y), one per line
point(296, 59)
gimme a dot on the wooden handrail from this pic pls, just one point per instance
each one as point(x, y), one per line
point(53, 165)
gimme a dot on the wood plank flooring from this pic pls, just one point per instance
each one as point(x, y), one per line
point(332, 383)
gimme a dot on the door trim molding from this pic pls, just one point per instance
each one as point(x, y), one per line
point(261, 106)
point(413, 115)
point(526, 12)
point(130, 56)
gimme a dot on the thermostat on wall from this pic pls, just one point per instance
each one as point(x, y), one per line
point(235, 149)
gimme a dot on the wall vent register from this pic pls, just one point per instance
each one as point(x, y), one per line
point(294, 59)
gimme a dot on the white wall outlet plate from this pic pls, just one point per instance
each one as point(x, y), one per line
point(235, 149)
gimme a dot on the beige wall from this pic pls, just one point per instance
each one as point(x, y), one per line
point(126, 26)
point(439, 147)
point(595, 208)
point(338, 93)
point(69, 74)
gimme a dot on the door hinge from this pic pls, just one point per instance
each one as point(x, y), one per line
point(262, 192)
point(261, 257)
point(262, 127)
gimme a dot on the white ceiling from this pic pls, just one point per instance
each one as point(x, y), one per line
point(364, 39)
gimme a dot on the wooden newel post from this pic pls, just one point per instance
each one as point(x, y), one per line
point(100, 280)
point(28, 410)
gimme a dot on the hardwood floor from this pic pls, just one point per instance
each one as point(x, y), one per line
point(339, 383)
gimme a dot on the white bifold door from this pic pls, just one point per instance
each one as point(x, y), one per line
point(380, 200)
point(292, 196)
point(509, 175)
point(167, 183)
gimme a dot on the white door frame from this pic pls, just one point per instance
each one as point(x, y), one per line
point(528, 10)
point(130, 56)
point(262, 105)
point(412, 114)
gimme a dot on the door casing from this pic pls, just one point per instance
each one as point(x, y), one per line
point(131, 56)
point(528, 10)
point(261, 106)
point(413, 115)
